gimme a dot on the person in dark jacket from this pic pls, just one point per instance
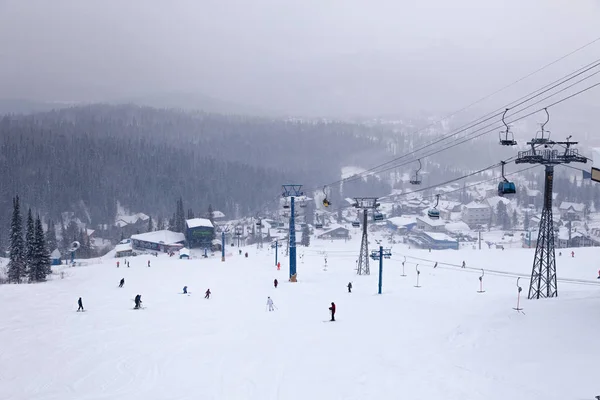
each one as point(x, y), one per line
point(122, 282)
point(138, 302)
point(185, 290)
point(275, 283)
point(332, 309)
point(207, 294)
point(349, 287)
point(80, 303)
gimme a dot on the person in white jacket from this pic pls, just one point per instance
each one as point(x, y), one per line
point(270, 304)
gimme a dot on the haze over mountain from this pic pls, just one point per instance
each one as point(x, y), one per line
point(337, 58)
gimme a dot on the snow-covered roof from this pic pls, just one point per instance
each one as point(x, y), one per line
point(493, 201)
point(402, 221)
point(334, 228)
point(431, 222)
point(165, 237)
point(577, 207)
point(122, 247)
point(457, 226)
point(124, 220)
point(475, 205)
point(218, 214)
point(90, 232)
point(439, 236)
point(533, 192)
point(199, 222)
point(55, 254)
point(184, 252)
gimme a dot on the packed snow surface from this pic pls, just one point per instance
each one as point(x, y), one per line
point(443, 340)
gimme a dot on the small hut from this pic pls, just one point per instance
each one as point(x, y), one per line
point(184, 254)
point(55, 257)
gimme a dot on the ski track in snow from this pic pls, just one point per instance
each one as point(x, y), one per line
point(443, 340)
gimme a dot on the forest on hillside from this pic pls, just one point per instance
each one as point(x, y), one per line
point(85, 159)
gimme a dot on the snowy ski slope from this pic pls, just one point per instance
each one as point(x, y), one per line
point(440, 341)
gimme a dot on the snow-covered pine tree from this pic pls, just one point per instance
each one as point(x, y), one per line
point(16, 265)
point(305, 241)
point(150, 224)
point(41, 256)
point(30, 247)
point(51, 240)
point(160, 224)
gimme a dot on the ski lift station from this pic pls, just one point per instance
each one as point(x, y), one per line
point(160, 241)
point(199, 232)
point(433, 240)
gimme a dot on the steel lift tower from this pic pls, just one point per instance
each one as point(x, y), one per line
point(291, 192)
point(366, 204)
point(543, 276)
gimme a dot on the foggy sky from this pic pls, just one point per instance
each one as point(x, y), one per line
point(317, 57)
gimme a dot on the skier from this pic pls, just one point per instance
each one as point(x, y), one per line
point(464, 265)
point(349, 287)
point(127, 264)
point(435, 266)
point(240, 252)
point(207, 294)
point(138, 302)
point(332, 309)
point(185, 290)
point(117, 264)
point(275, 283)
point(122, 282)
point(278, 266)
point(270, 304)
point(80, 303)
point(572, 254)
point(599, 274)
point(148, 263)
point(246, 254)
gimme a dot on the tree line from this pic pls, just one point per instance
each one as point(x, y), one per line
point(29, 259)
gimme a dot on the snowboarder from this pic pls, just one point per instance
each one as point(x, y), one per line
point(270, 304)
point(275, 283)
point(207, 294)
point(599, 274)
point(464, 265)
point(138, 302)
point(332, 309)
point(127, 264)
point(246, 254)
point(349, 287)
point(185, 290)
point(572, 254)
point(148, 263)
point(122, 282)
point(117, 264)
point(240, 252)
point(80, 303)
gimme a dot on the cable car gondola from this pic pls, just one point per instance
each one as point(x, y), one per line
point(505, 187)
point(355, 224)
point(509, 138)
point(416, 180)
point(326, 202)
point(434, 213)
point(377, 216)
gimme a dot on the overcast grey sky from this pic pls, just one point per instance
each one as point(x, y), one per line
point(336, 57)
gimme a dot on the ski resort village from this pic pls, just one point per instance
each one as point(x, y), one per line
point(299, 200)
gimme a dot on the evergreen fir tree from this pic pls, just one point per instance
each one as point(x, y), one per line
point(515, 219)
point(160, 224)
point(211, 214)
point(502, 215)
point(65, 242)
point(16, 265)
point(30, 248)
point(305, 241)
point(526, 220)
point(51, 240)
point(190, 214)
point(41, 256)
point(150, 224)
